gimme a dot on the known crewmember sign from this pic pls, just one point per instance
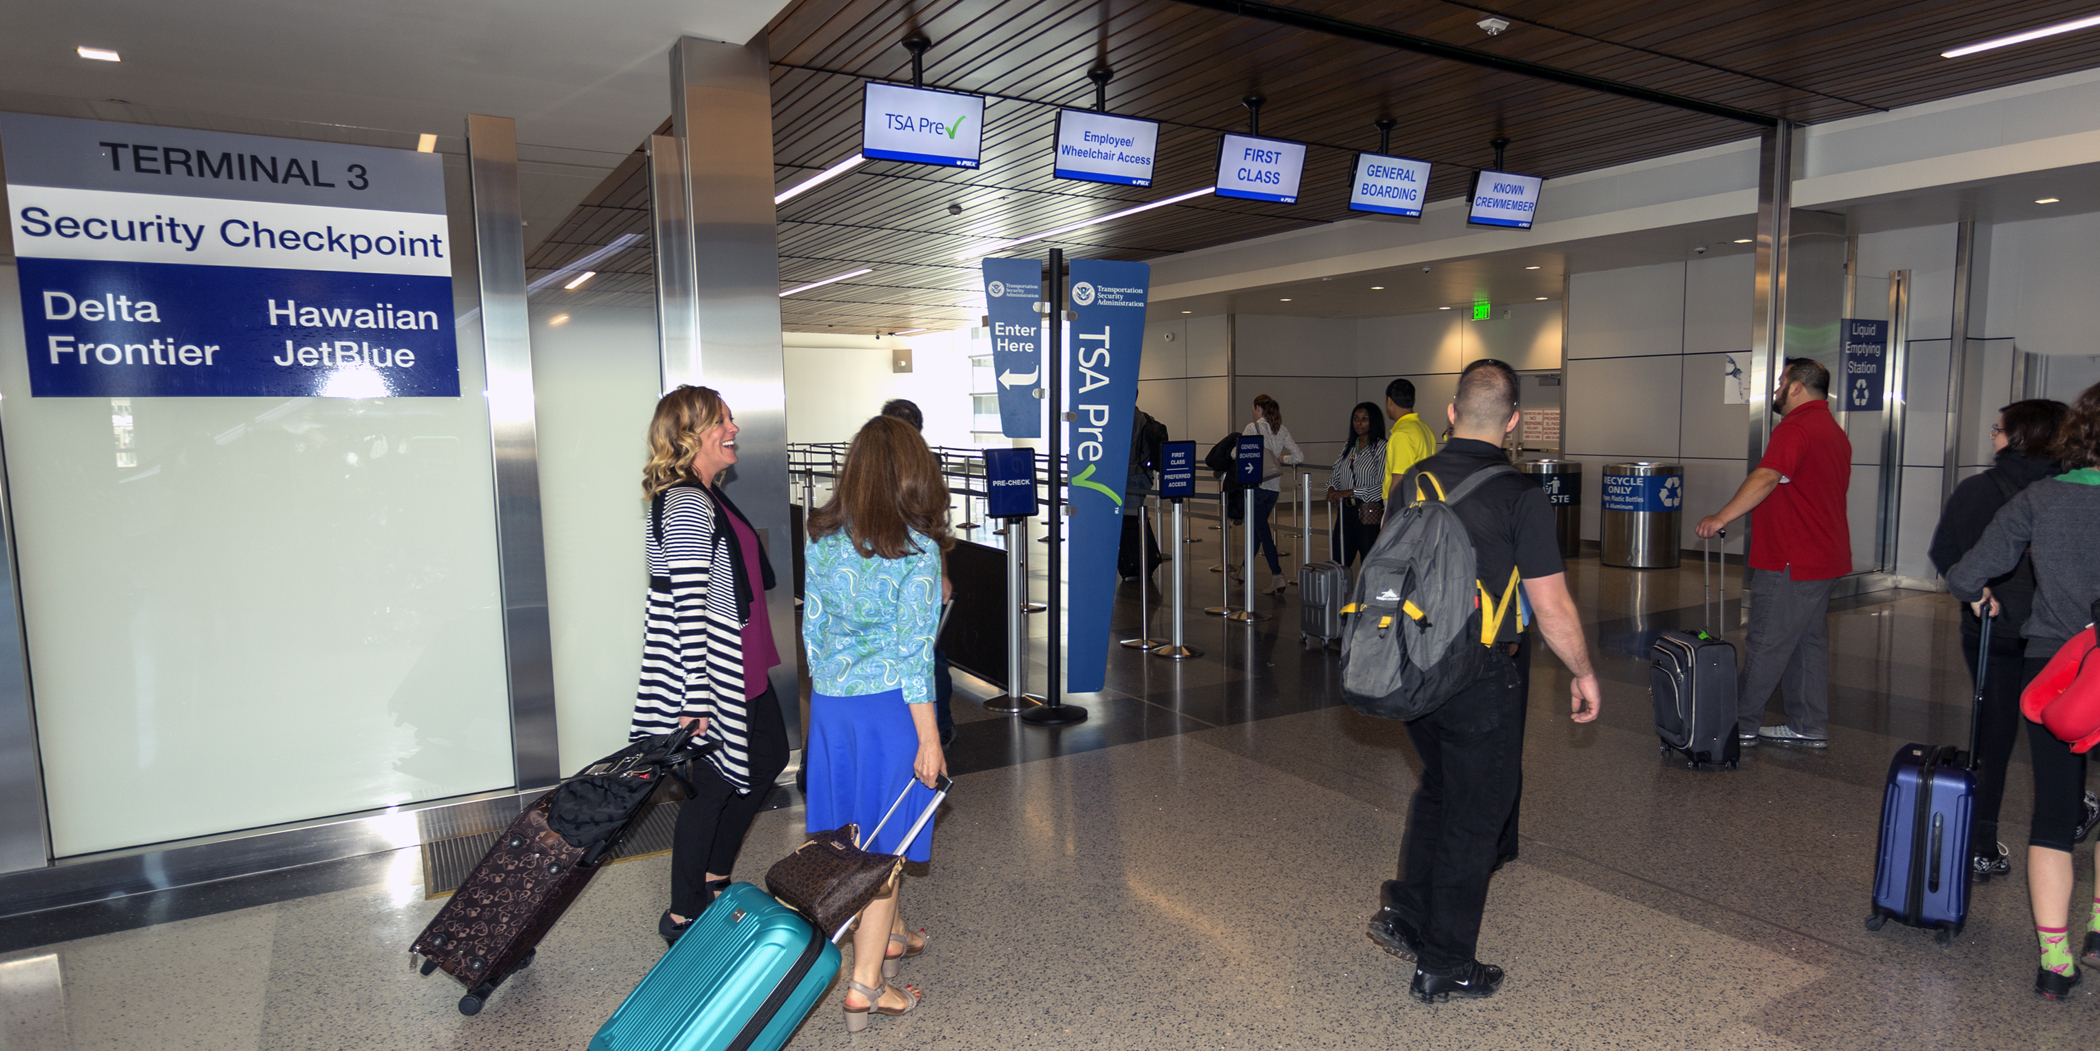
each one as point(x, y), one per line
point(163, 262)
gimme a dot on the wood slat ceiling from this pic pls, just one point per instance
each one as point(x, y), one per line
point(1189, 67)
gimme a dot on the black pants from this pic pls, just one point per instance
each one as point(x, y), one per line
point(1997, 728)
point(1506, 849)
point(1351, 535)
point(713, 819)
point(2059, 779)
point(1471, 751)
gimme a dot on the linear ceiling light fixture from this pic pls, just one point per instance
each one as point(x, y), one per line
point(619, 244)
point(820, 284)
point(907, 332)
point(819, 179)
point(2073, 26)
point(98, 54)
point(1000, 246)
point(577, 281)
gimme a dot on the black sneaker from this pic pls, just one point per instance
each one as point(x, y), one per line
point(2090, 955)
point(1985, 865)
point(2050, 985)
point(1395, 935)
point(1475, 980)
point(2091, 818)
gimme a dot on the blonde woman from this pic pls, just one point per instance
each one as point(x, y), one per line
point(707, 645)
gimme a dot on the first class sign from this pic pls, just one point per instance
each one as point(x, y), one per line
point(1258, 169)
point(163, 262)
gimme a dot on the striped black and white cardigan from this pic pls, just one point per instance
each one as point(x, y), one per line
point(692, 641)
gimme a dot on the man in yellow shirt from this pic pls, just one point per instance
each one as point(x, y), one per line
point(1410, 440)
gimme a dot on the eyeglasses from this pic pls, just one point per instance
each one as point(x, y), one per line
point(1997, 429)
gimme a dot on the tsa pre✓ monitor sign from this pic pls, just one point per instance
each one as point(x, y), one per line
point(163, 262)
point(921, 126)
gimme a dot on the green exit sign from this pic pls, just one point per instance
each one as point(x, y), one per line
point(1481, 310)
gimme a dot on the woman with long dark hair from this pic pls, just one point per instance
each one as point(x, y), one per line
point(2052, 521)
point(2024, 437)
point(870, 608)
point(1278, 450)
point(1356, 489)
point(707, 644)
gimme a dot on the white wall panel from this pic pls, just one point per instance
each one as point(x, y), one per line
point(1719, 301)
point(1207, 345)
point(1293, 346)
point(1710, 427)
point(1529, 339)
point(1166, 351)
point(1638, 310)
point(1925, 420)
point(1208, 417)
point(2041, 282)
point(2069, 376)
point(1928, 253)
point(1708, 485)
point(1410, 345)
point(1624, 406)
point(1920, 513)
point(1167, 401)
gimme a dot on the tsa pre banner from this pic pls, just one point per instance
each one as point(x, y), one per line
point(1108, 334)
point(1013, 289)
point(164, 262)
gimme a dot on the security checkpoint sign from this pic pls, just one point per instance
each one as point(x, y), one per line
point(1108, 334)
point(1652, 493)
point(1866, 345)
point(164, 262)
point(1013, 289)
point(1177, 470)
point(1009, 477)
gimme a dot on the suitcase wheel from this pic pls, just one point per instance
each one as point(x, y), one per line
point(428, 966)
point(1944, 936)
point(470, 1005)
point(1875, 921)
point(1733, 765)
point(1665, 752)
point(527, 961)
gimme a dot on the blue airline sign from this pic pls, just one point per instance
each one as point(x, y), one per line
point(1108, 335)
point(1177, 470)
point(1009, 476)
point(1013, 289)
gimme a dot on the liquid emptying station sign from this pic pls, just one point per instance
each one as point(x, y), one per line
point(163, 262)
point(1866, 348)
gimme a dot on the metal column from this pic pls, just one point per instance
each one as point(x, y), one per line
point(1895, 403)
point(1775, 204)
point(724, 93)
point(1958, 352)
point(499, 257)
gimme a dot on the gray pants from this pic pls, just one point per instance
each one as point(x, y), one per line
point(1789, 651)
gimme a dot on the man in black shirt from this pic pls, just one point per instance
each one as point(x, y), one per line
point(1472, 747)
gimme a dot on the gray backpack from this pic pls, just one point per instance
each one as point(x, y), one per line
point(1414, 636)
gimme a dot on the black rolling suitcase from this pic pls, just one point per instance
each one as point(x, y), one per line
point(490, 928)
point(1921, 869)
point(1692, 677)
point(1322, 589)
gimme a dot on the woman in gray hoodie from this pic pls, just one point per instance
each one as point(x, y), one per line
point(2054, 521)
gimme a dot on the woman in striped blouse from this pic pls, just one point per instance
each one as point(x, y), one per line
point(707, 644)
point(871, 600)
point(1356, 490)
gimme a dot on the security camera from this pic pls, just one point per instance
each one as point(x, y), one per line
point(1493, 26)
point(1698, 249)
point(1425, 269)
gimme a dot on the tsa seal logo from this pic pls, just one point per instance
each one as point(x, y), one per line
point(997, 289)
point(1083, 294)
point(1673, 492)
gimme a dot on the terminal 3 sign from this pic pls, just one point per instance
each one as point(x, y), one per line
point(163, 262)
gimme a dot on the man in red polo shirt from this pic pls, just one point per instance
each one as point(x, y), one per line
point(1799, 545)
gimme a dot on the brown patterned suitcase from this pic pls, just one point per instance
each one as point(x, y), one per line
point(490, 928)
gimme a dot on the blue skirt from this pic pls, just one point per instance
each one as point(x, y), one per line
point(860, 756)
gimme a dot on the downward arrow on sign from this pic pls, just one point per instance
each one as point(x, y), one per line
point(1010, 378)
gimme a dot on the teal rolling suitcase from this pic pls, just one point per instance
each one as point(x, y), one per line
point(741, 978)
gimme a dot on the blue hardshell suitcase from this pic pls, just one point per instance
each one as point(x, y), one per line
point(741, 978)
point(1921, 875)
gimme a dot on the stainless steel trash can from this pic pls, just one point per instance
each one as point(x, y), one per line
point(1562, 481)
point(1642, 511)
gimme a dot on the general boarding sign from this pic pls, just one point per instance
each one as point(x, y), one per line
point(164, 262)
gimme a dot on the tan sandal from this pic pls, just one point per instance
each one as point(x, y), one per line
point(857, 1020)
point(890, 960)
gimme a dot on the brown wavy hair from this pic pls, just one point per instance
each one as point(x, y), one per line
point(674, 436)
point(1270, 411)
point(2078, 440)
point(889, 486)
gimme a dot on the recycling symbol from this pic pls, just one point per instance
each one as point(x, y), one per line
point(1672, 492)
point(1083, 294)
point(1860, 394)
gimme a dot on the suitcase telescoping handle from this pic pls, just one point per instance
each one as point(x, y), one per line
point(1706, 584)
point(1983, 669)
point(940, 794)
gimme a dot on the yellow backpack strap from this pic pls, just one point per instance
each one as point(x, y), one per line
point(1493, 612)
point(1420, 495)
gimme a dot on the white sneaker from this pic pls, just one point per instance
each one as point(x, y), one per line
point(1784, 734)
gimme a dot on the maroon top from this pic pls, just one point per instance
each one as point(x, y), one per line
point(760, 655)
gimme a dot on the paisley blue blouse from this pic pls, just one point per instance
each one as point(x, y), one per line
point(868, 623)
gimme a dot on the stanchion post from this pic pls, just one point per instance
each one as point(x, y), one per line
point(1248, 614)
point(1016, 698)
point(1224, 608)
point(1177, 648)
point(1144, 639)
point(1305, 517)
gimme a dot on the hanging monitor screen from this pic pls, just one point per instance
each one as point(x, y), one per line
point(1260, 169)
point(1099, 147)
point(921, 126)
point(1503, 199)
point(1388, 185)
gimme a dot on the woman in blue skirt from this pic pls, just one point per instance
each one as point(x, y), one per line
point(871, 603)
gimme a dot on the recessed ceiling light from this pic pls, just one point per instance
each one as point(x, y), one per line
point(1542, 299)
point(98, 54)
point(558, 319)
point(1531, 268)
point(2049, 200)
point(579, 279)
point(820, 178)
point(426, 143)
point(1377, 288)
point(1188, 311)
point(1443, 308)
point(1286, 299)
point(2021, 38)
point(786, 292)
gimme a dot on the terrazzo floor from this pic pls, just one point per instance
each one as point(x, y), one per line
point(1192, 868)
